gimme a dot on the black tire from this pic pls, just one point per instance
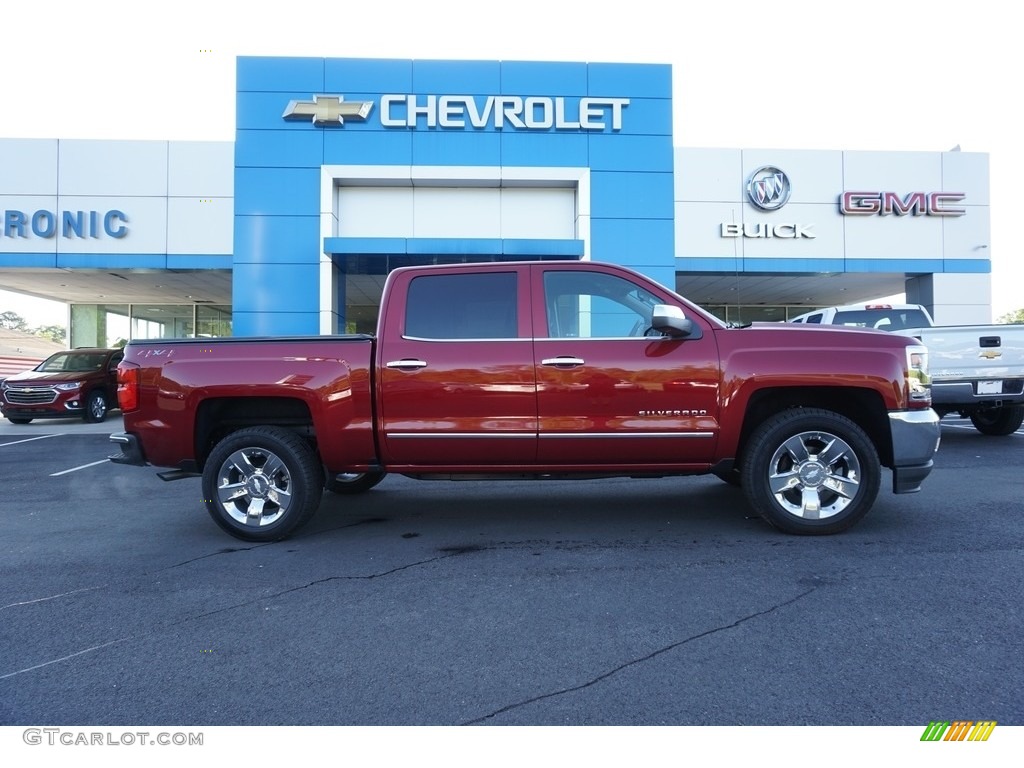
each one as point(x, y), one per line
point(795, 461)
point(345, 484)
point(95, 407)
point(19, 421)
point(256, 504)
point(998, 421)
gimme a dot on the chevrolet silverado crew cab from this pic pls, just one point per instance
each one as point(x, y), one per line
point(533, 370)
point(977, 371)
point(79, 382)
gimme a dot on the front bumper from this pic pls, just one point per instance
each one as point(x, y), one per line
point(915, 439)
point(131, 450)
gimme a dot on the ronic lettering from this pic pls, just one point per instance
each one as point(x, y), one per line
point(43, 223)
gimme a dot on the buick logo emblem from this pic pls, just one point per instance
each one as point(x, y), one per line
point(768, 188)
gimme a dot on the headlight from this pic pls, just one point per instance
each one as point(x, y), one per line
point(69, 387)
point(919, 383)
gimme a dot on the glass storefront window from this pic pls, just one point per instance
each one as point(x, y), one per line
point(162, 321)
point(213, 320)
point(98, 325)
point(112, 325)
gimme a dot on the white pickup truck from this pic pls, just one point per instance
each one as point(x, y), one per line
point(976, 371)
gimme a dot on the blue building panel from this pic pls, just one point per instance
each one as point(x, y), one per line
point(277, 239)
point(276, 287)
point(456, 148)
point(264, 323)
point(634, 243)
point(621, 194)
point(265, 110)
point(345, 246)
point(41, 260)
point(284, 149)
point(542, 248)
point(277, 191)
point(631, 153)
point(647, 117)
point(549, 149)
point(530, 78)
point(368, 75)
point(772, 265)
point(271, 73)
point(920, 266)
point(730, 265)
point(636, 80)
point(199, 260)
point(111, 261)
point(969, 266)
point(456, 77)
point(461, 246)
point(342, 147)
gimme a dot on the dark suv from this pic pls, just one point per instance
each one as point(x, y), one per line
point(79, 382)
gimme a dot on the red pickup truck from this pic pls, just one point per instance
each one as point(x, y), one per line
point(533, 370)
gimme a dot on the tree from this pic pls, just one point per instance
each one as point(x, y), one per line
point(12, 321)
point(1012, 317)
point(57, 333)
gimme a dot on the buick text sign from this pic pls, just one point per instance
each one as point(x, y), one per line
point(70, 224)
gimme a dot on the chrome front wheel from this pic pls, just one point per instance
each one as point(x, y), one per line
point(811, 471)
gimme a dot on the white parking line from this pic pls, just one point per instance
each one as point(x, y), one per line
point(75, 469)
point(30, 439)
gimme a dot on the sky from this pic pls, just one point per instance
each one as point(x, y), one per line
point(786, 74)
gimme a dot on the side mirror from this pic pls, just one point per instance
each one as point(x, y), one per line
point(670, 320)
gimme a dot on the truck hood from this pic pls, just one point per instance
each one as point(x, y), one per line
point(37, 377)
point(798, 335)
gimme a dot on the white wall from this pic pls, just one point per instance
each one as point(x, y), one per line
point(177, 196)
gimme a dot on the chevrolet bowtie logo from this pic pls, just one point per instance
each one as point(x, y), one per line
point(326, 110)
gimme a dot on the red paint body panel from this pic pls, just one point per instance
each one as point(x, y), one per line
point(331, 376)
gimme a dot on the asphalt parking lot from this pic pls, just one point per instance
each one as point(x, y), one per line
point(612, 602)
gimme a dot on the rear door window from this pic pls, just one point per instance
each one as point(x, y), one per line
point(467, 306)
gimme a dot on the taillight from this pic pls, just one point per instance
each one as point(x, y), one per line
point(919, 383)
point(127, 386)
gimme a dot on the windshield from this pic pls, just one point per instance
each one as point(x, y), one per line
point(73, 362)
point(883, 319)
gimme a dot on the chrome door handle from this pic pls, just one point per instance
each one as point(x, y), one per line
point(563, 360)
point(406, 364)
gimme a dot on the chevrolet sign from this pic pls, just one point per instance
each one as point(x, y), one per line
point(499, 112)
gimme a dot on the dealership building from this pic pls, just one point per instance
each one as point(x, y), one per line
point(343, 169)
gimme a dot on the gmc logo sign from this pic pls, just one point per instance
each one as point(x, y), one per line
point(890, 203)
